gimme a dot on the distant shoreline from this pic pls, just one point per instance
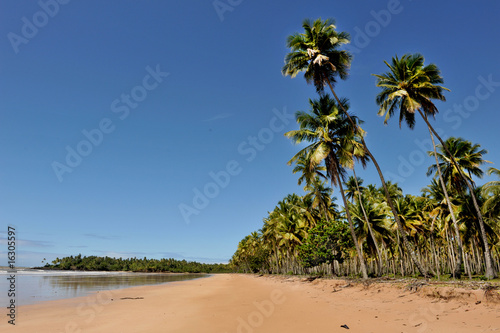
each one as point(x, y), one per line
point(44, 269)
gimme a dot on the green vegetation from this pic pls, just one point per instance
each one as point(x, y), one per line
point(327, 242)
point(93, 263)
point(451, 229)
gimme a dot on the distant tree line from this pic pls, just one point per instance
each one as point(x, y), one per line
point(94, 263)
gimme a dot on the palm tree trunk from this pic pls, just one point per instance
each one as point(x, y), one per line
point(490, 271)
point(433, 247)
point(451, 253)
point(406, 243)
point(351, 227)
point(332, 269)
point(458, 267)
point(379, 255)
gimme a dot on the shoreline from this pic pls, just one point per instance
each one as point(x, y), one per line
point(250, 303)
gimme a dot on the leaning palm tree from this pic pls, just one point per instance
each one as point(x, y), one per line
point(331, 140)
point(354, 192)
point(317, 53)
point(472, 230)
point(467, 158)
point(410, 87)
point(459, 161)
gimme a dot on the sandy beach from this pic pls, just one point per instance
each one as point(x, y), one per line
point(246, 303)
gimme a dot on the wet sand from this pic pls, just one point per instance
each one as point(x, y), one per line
point(248, 303)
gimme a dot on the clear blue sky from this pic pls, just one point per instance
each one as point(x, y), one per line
point(170, 92)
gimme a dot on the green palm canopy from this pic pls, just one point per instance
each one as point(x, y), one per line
point(316, 52)
point(409, 86)
point(330, 135)
point(468, 156)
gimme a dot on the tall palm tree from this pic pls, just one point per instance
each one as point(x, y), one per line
point(460, 249)
point(410, 87)
point(331, 141)
point(457, 170)
point(468, 161)
point(437, 210)
point(473, 231)
point(491, 191)
point(313, 176)
point(317, 53)
point(354, 192)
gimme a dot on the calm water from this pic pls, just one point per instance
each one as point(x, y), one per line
point(33, 286)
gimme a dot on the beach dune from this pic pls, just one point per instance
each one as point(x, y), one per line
point(246, 303)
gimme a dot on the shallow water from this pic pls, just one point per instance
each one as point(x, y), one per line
point(33, 286)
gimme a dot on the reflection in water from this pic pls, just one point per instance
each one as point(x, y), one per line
point(75, 284)
point(34, 288)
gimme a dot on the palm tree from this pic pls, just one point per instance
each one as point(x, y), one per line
point(395, 191)
point(373, 193)
point(457, 170)
point(468, 157)
point(410, 210)
point(491, 191)
point(316, 52)
point(410, 87)
point(440, 208)
point(332, 141)
point(320, 196)
point(477, 236)
point(353, 192)
point(312, 175)
point(285, 228)
point(353, 188)
point(246, 250)
point(308, 172)
point(271, 237)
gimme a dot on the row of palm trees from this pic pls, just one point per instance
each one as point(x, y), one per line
point(336, 144)
point(426, 221)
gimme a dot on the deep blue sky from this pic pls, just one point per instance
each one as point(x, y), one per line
point(74, 74)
